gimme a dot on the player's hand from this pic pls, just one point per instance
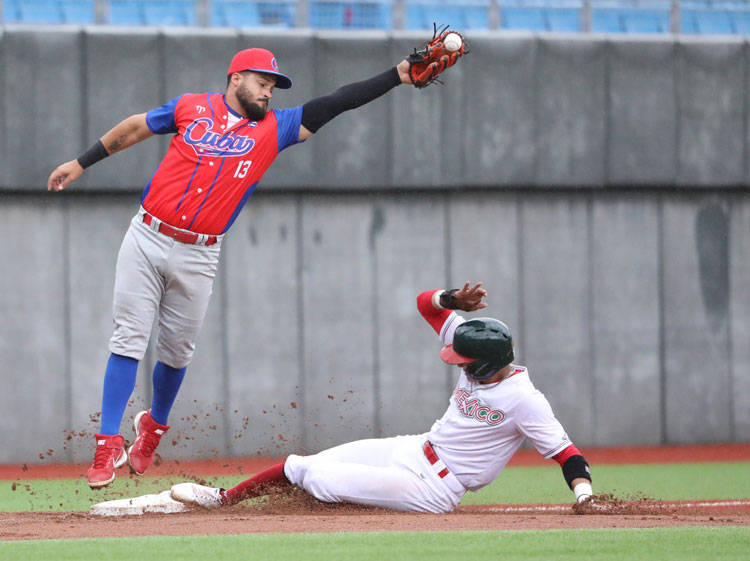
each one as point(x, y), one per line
point(64, 175)
point(469, 298)
point(403, 72)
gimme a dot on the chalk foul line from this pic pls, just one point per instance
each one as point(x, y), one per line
point(656, 505)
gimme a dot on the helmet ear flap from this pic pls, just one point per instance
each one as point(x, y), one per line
point(481, 370)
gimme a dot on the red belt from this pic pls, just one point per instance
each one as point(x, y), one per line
point(181, 236)
point(432, 457)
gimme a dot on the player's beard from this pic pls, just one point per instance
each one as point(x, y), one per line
point(253, 111)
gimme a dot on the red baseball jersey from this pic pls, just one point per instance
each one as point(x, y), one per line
point(211, 168)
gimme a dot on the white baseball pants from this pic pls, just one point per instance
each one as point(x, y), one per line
point(383, 472)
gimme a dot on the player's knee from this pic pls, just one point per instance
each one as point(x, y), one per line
point(176, 358)
point(175, 346)
point(130, 339)
point(295, 469)
point(175, 350)
point(318, 482)
point(310, 474)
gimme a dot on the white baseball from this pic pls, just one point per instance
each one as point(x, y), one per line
point(452, 42)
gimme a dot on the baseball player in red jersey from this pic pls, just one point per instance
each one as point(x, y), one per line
point(493, 408)
point(222, 144)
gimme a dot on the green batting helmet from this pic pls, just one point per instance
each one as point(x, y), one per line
point(485, 344)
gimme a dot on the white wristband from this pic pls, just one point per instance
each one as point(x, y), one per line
point(436, 299)
point(583, 491)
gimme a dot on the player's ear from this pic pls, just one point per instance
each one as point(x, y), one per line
point(234, 78)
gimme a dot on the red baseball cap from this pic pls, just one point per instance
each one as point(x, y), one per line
point(259, 60)
point(449, 355)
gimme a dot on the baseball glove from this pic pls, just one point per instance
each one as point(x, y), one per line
point(427, 64)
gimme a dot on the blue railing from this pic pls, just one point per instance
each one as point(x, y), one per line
point(606, 16)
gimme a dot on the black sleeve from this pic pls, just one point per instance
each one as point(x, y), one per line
point(574, 467)
point(317, 112)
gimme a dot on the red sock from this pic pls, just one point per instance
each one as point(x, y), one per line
point(256, 485)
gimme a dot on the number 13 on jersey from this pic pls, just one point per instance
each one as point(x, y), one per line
point(242, 168)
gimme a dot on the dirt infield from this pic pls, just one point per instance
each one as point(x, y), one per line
point(301, 517)
point(298, 512)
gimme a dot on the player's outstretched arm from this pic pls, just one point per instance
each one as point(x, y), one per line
point(419, 69)
point(317, 112)
point(128, 132)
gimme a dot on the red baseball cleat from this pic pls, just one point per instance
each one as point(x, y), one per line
point(110, 454)
point(148, 433)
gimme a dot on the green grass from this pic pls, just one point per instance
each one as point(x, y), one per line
point(669, 482)
point(662, 544)
point(520, 485)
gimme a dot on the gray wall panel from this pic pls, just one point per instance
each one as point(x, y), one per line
point(124, 74)
point(415, 112)
point(4, 56)
point(643, 113)
point(349, 151)
point(42, 118)
point(711, 98)
point(746, 95)
point(625, 323)
point(556, 315)
point(33, 338)
point(96, 228)
point(571, 111)
point(197, 64)
point(739, 310)
point(428, 134)
point(337, 293)
point(696, 322)
point(408, 234)
point(485, 246)
point(260, 265)
point(500, 130)
point(296, 54)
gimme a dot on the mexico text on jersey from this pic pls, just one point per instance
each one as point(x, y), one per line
point(476, 409)
point(215, 160)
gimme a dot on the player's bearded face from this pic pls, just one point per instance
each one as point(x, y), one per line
point(254, 106)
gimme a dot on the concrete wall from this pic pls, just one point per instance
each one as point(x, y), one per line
point(629, 308)
point(547, 110)
point(546, 167)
